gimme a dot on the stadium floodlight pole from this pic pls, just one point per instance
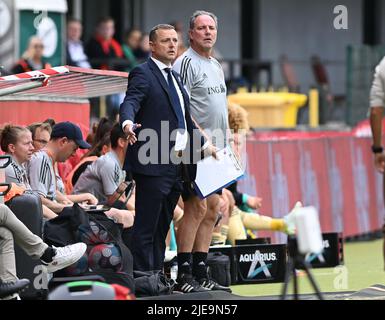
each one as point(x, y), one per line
point(34, 83)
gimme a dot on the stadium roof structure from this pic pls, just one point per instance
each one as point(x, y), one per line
point(63, 82)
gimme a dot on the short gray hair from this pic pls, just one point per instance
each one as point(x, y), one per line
point(152, 35)
point(198, 13)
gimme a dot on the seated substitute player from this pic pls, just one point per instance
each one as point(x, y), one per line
point(66, 138)
point(16, 141)
point(105, 174)
point(52, 258)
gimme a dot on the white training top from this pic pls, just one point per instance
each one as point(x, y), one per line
point(102, 177)
point(205, 82)
point(17, 174)
point(377, 91)
point(41, 174)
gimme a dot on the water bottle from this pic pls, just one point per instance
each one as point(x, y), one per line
point(174, 271)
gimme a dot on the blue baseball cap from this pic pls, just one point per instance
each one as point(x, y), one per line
point(71, 131)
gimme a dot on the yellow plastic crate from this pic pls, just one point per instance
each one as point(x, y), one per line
point(270, 109)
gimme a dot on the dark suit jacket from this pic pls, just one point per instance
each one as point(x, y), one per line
point(148, 102)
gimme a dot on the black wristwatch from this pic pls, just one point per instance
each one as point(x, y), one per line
point(377, 149)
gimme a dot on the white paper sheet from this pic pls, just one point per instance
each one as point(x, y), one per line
point(213, 174)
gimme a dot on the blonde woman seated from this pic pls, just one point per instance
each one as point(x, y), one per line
point(16, 141)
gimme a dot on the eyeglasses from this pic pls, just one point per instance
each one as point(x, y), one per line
point(42, 142)
point(38, 46)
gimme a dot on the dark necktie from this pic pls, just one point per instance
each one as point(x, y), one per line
point(175, 99)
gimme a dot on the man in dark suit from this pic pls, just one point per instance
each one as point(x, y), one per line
point(155, 105)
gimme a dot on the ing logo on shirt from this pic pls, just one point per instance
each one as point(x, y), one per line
point(217, 89)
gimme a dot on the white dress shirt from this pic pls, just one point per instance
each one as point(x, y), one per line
point(77, 54)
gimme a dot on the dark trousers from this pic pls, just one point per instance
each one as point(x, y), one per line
point(156, 199)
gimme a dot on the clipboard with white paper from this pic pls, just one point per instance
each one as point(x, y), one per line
point(213, 175)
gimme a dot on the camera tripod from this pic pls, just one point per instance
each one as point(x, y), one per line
point(297, 260)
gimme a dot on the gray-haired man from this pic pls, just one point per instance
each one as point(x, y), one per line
point(203, 78)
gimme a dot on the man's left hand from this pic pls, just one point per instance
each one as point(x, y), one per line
point(210, 150)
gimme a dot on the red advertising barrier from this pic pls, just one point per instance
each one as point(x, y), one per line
point(341, 185)
point(27, 112)
point(334, 174)
point(314, 179)
point(296, 135)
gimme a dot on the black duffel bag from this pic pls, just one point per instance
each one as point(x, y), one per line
point(219, 268)
point(152, 283)
point(96, 230)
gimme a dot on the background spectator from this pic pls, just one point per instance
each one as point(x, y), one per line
point(75, 50)
point(102, 46)
point(181, 44)
point(101, 50)
point(143, 52)
point(178, 25)
point(131, 44)
point(32, 58)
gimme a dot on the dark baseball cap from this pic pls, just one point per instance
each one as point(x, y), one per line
point(71, 131)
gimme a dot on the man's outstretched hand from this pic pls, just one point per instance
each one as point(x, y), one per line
point(129, 130)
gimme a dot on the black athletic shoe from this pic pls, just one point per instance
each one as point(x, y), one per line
point(210, 284)
point(186, 283)
point(9, 288)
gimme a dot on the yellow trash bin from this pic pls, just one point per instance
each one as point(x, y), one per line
point(270, 109)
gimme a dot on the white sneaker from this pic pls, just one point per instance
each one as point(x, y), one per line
point(65, 256)
point(290, 219)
